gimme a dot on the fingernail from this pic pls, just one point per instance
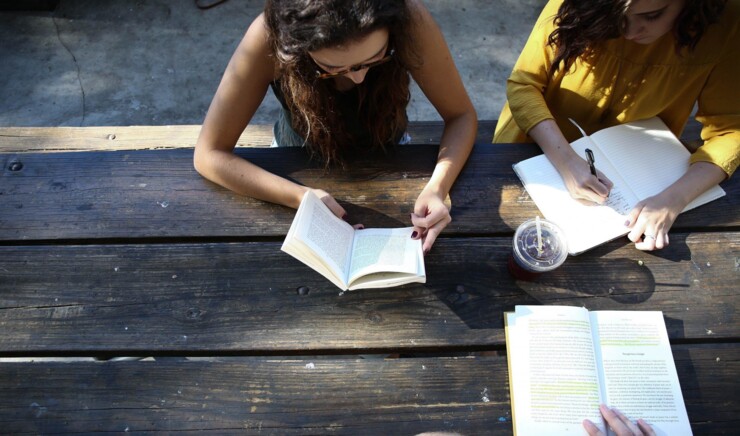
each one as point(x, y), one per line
point(426, 251)
point(344, 217)
point(361, 227)
point(414, 234)
point(627, 223)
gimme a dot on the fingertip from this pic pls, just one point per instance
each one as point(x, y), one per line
point(590, 427)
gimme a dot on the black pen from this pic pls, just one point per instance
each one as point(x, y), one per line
point(590, 156)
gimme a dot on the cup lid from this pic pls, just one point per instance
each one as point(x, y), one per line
point(550, 255)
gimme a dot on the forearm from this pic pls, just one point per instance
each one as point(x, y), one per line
point(548, 136)
point(455, 147)
point(245, 178)
point(698, 178)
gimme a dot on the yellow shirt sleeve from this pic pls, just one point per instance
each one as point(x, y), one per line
point(527, 83)
point(719, 113)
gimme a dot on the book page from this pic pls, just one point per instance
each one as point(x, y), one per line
point(554, 380)
point(384, 250)
point(585, 224)
point(638, 373)
point(326, 236)
point(649, 157)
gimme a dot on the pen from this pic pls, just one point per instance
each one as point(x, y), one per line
point(590, 156)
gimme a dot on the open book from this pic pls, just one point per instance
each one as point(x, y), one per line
point(641, 158)
point(564, 361)
point(349, 258)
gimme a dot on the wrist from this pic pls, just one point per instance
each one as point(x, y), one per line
point(433, 189)
point(297, 196)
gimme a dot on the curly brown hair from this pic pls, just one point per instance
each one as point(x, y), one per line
point(580, 26)
point(296, 27)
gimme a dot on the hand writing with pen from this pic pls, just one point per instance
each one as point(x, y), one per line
point(584, 181)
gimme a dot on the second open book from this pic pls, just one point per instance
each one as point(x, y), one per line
point(565, 361)
point(349, 258)
point(641, 158)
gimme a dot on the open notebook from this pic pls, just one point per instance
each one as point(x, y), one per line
point(641, 158)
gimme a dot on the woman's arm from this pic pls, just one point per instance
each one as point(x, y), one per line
point(654, 216)
point(440, 81)
point(575, 172)
point(526, 101)
point(242, 89)
point(716, 160)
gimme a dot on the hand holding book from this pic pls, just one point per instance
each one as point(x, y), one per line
point(352, 258)
point(620, 424)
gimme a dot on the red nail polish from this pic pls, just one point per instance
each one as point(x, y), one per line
point(414, 234)
point(344, 217)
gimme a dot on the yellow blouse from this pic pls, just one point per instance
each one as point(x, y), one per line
point(627, 81)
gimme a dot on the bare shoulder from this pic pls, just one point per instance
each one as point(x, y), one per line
point(254, 52)
point(420, 15)
point(424, 30)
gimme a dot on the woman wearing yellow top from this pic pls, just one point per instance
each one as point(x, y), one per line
point(607, 62)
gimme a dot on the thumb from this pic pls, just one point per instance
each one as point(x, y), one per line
point(634, 213)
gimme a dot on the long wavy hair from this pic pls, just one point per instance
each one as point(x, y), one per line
point(580, 26)
point(296, 27)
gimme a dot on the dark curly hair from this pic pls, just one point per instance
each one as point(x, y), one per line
point(296, 27)
point(580, 26)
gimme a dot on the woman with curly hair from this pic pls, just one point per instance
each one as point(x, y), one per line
point(608, 62)
point(341, 71)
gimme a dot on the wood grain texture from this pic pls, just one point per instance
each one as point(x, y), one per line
point(117, 138)
point(311, 396)
point(123, 253)
point(157, 193)
point(242, 297)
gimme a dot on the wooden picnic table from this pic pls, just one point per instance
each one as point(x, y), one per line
point(129, 252)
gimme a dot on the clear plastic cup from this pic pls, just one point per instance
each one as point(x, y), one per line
point(530, 259)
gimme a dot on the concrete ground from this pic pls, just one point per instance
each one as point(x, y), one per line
point(158, 62)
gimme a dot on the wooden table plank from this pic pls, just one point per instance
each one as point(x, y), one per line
point(241, 297)
point(66, 139)
point(372, 396)
point(158, 194)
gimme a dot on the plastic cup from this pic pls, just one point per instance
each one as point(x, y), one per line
point(528, 259)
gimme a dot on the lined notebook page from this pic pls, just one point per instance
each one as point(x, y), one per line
point(585, 225)
point(649, 158)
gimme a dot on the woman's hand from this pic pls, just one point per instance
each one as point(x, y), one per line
point(583, 185)
point(335, 207)
point(651, 219)
point(654, 216)
point(430, 216)
point(574, 170)
point(619, 423)
point(331, 203)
